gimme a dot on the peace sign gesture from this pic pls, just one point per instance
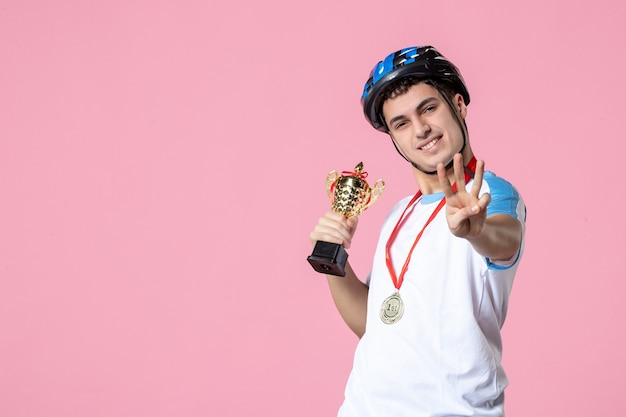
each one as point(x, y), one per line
point(466, 212)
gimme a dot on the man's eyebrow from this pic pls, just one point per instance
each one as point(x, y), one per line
point(420, 106)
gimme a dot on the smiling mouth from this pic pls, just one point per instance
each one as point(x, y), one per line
point(430, 144)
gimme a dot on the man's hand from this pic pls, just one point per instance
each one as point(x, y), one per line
point(335, 228)
point(465, 211)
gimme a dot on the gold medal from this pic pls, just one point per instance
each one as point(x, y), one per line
point(392, 309)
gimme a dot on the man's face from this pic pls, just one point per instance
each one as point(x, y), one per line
point(423, 126)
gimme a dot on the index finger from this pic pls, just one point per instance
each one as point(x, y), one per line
point(442, 173)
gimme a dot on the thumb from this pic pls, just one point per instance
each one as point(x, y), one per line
point(353, 222)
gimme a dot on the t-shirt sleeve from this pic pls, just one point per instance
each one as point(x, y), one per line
point(505, 199)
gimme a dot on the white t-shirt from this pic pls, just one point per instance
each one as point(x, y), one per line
point(443, 357)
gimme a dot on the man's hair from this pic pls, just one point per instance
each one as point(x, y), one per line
point(401, 86)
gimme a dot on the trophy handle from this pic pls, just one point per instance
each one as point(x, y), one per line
point(331, 180)
point(377, 191)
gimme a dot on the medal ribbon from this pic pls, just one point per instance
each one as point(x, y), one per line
point(397, 281)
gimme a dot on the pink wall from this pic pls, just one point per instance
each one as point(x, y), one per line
point(162, 163)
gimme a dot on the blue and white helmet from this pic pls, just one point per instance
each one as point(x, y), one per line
point(419, 61)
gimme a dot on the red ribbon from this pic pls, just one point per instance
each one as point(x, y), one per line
point(398, 279)
point(361, 175)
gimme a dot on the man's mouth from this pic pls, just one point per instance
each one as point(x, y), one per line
point(430, 144)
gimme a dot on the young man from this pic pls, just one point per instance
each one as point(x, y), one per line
point(430, 312)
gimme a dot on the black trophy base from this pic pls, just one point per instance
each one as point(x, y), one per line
point(329, 258)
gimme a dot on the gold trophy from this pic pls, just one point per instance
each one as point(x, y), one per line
point(349, 195)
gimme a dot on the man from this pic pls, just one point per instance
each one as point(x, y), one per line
point(430, 312)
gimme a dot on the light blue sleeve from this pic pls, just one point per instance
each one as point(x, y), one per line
point(504, 200)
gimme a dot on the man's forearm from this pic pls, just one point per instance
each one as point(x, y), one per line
point(350, 297)
point(500, 239)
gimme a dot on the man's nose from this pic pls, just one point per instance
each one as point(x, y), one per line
point(422, 128)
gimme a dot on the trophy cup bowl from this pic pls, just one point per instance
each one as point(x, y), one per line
point(350, 195)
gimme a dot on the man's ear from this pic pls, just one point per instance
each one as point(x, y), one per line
point(460, 106)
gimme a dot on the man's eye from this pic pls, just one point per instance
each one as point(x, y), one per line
point(429, 109)
point(399, 125)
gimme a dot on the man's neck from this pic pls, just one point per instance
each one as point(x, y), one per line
point(429, 183)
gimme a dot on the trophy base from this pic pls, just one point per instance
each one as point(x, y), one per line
point(329, 258)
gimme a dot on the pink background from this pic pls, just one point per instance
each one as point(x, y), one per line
point(162, 164)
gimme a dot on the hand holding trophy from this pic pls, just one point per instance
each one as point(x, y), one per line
point(349, 195)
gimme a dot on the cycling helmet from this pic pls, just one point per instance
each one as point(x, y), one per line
point(421, 61)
